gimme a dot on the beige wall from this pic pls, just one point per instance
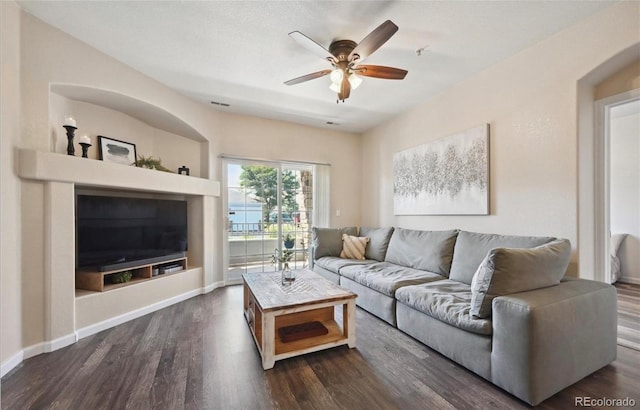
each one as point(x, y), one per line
point(10, 278)
point(252, 137)
point(624, 80)
point(530, 102)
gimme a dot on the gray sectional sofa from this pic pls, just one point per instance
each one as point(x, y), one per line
point(498, 305)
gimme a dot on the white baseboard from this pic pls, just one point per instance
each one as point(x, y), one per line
point(134, 314)
point(233, 282)
point(629, 279)
point(50, 346)
point(13, 361)
point(64, 341)
point(36, 349)
point(212, 287)
point(60, 342)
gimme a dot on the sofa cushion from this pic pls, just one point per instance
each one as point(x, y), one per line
point(426, 250)
point(505, 271)
point(471, 248)
point(334, 263)
point(378, 242)
point(386, 277)
point(353, 246)
point(328, 241)
point(446, 300)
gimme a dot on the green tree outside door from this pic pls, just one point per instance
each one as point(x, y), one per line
point(264, 182)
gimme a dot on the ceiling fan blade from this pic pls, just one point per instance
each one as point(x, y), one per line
point(308, 77)
point(374, 40)
point(312, 46)
point(380, 71)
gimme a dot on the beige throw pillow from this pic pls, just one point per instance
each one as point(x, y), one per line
point(509, 270)
point(353, 247)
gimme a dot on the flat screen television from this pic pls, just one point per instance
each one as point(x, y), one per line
point(118, 232)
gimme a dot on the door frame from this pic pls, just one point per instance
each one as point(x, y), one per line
point(320, 193)
point(602, 182)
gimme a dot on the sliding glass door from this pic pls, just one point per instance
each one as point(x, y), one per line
point(269, 206)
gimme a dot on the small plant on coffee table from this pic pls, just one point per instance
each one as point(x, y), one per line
point(283, 257)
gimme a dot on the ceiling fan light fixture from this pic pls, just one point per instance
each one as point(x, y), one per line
point(336, 76)
point(345, 57)
point(355, 81)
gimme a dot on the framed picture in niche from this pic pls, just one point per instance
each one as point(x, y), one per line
point(116, 151)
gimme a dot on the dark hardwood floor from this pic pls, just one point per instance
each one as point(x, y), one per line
point(199, 354)
point(628, 315)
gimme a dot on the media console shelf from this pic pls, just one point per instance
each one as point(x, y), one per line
point(101, 281)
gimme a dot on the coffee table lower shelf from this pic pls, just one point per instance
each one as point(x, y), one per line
point(333, 338)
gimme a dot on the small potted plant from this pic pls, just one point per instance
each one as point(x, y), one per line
point(289, 242)
point(121, 277)
point(151, 163)
point(283, 258)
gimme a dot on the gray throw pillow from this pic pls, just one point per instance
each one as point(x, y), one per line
point(328, 241)
point(507, 270)
point(472, 247)
point(425, 250)
point(378, 242)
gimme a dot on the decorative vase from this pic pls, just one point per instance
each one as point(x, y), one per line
point(288, 276)
point(289, 243)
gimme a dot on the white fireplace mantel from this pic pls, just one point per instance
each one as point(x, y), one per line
point(48, 166)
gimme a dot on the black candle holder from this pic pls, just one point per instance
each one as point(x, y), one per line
point(85, 148)
point(70, 134)
point(183, 170)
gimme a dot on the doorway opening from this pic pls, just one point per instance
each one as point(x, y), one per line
point(618, 122)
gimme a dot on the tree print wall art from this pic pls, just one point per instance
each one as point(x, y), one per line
point(449, 176)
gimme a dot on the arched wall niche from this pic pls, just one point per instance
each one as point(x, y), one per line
point(591, 164)
point(144, 111)
point(156, 131)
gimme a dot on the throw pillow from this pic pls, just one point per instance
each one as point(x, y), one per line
point(472, 247)
point(510, 270)
point(353, 247)
point(378, 242)
point(424, 250)
point(328, 241)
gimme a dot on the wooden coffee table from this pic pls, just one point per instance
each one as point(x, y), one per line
point(269, 306)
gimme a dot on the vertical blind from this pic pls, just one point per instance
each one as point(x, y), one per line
point(321, 198)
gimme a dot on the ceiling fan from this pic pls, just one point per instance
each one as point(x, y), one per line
point(345, 57)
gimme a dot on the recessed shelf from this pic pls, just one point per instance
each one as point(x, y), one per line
point(99, 281)
point(135, 281)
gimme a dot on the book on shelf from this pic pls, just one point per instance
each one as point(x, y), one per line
point(170, 269)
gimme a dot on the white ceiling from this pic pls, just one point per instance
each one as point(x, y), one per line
point(239, 52)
